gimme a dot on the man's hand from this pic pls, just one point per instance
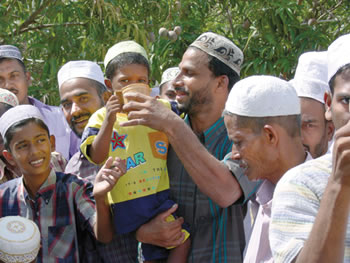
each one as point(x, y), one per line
point(145, 110)
point(108, 176)
point(161, 233)
point(341, 157)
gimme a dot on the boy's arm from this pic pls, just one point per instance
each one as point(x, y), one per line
point(105, 180)
point(99, 149)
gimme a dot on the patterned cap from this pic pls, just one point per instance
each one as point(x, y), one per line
point(8, 97)
point(338, 54)
point(16, 114)
point(169, 74)
point(124, 47)
point(263, 96)
point(80, 69)
point(9, 51)
point(222, 48)
point(310, 79)
point(19, 240)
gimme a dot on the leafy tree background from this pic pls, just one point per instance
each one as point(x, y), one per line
point(272, 34)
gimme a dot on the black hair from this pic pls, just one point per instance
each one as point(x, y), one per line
point(291, 123)
point(219, 68)
point(19, 61)
point(5, 107)
point(125, 59)
point(12, 130)
point(344, 71)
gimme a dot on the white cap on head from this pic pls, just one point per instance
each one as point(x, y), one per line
point(8, 97)
point(263, 96)
point(19, 240)
point(310, 79)
point(169, 74)
point(124, 47)
point(221, 48)
point(9, 51)
point(338, 54)
point(16, 114)
point(80, 69)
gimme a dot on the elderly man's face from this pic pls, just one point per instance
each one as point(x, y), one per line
point(79, 100)
point(339, 103)
point(194, 84)
point(315, 130)
point(249, 149)
point(14, 79)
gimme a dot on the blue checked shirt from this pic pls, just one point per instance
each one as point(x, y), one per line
point(63, 209)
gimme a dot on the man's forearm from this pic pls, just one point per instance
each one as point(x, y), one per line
point(211, 176)
point(103, 228)
point(327, 238)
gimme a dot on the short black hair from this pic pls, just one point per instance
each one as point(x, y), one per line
point(19, 61)
point(5, 107)
point(124, 59)
point(219, 68)
point(291, 123)
point(12, 130)
point(344, 71)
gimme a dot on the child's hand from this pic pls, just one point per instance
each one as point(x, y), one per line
point(108, 176)
point(113, 106)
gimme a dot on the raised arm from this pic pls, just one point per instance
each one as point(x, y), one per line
point(211, 176)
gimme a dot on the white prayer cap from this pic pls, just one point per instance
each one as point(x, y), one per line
point(263, 96)
point(80, 69)
point(19, 240)
point(338, 54)
point(310, 79)
point(8, 97)
point(124, 47)
point(154, 92)
point(16, 114)
point(9, 51)
point(169, 74)
point(221, 48)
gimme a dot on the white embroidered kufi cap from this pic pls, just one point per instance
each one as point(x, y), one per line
point(310, 79)
point(263, 96)
point(221, 48)
point(9, 51)
point(338, 54)
point(124, 47)
point(8, 97)
point(19, 240)
point(16, 114)
point(80, 69)
point(169, 74)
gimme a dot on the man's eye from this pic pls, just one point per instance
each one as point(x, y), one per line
point(66, 106)
point(124, 80)
point(345, 100)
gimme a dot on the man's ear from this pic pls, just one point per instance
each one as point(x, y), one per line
point(328, 102)
point(28, 77)
point(53, 143)
point(223, 83)
point(9, 157)
point(270, 134)
point(330, 130)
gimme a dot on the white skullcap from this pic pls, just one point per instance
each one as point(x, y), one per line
point(80, 69)
point(221, 48)
point(154, 92)
point(338, 54)
point(263, 96)
point(169, 74)
point(9, 51)
point(19, 240)
point(16, 114)
point(8, 97)
point(310, 79)
point(124, 47)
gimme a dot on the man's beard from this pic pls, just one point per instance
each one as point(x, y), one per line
point(72, 126)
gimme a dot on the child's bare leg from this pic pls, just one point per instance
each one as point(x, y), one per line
point(179, 253)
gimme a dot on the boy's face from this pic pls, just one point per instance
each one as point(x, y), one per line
point(31, 150)
point(129, 74)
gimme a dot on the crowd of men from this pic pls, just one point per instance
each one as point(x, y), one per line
point(256, 169)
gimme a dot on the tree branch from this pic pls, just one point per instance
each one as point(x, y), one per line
point(48, 26)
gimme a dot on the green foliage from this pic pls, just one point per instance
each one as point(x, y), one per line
point(272, 34)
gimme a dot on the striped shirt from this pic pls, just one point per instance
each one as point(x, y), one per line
point(217, 234)
point(296, 203)
point(62, 208)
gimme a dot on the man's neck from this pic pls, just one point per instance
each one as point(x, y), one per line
point(33, 183)
point(204, 120)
